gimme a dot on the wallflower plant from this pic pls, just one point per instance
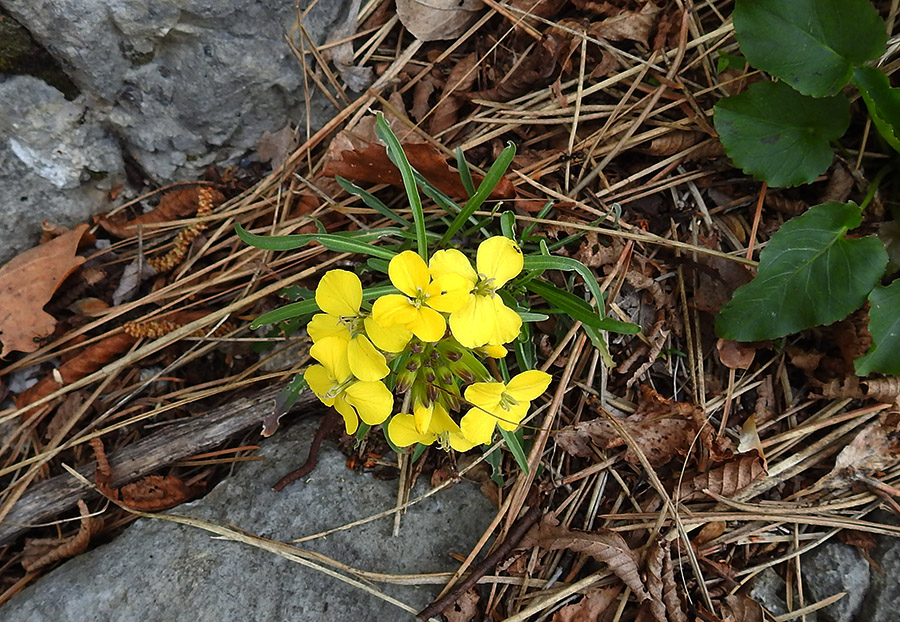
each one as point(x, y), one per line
point(413, 352)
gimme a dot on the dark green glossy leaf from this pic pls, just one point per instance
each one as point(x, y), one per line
point(778, 135)
point(569, 304)
point(884, 325)
point(372, 201)
point(812, 45)
point(883, 102)
point(810, 273)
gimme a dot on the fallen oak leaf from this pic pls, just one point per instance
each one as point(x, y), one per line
point(630, 25)
point(594, 604)
point(27, 282)
point(40, 552)
point(540, 68)
point(437, 20)
point(725, 480)
point(371, 164)
point(604, 545)
point(460, 79)
point(742, 609)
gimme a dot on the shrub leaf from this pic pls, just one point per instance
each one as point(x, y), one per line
point(884, 324)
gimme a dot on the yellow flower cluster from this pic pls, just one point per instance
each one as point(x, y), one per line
point(353, 348)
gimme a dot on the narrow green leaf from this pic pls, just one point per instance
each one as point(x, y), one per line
point(569, 304)
point(494, 458)
point(882, 101)
point(487, 185)
point(398, 157)
point(508, 224)
point(515, 448)
point(550, 262)
point(353, 239)
point(417, 452)
point(809, 274)
point(372, 201)
point(353, 245)
point(304, 307)
point(778, 135)
point(465, 175)
point(810, 44)
point(884, 324)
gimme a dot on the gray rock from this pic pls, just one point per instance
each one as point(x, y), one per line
point(768, 590)
point(832, 568)
point(57, 162)
point(183, 82)
point(157, 570)
point(882, 603)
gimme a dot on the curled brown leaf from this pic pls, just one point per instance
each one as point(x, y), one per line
point(40, 552)
point(725, 480)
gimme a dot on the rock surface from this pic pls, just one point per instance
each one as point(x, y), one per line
point(184, 83)
point(882, 602)
point(158, 570)
point(833, 568)
point(57, 162)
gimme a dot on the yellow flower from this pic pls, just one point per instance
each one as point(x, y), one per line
point(503, 404)
point(402, 431)
point(417, 309)
point(484, 319)
point(335, 385)
point(339, 295)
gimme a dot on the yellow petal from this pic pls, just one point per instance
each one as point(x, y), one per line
point(485, 395)
point(372, 401)
point(452, 262)
point(351, 421)
point(320, 382)
point(331, 352)
point(465, 325)
point(393, 309)
point(422, 417)
point(528, 385)
point(323, 325)
point(365, 361)
point(339, 293)
point(510, 419)
point(499, 258)
point(409, 273)
point(429, 325)
point(495, 352)
point(388, 339)
point(477, 427)
point(442, 423)
point(448, 293)
point(505, 324)
point(402, 432)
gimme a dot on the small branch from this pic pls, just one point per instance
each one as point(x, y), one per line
point(326, 425)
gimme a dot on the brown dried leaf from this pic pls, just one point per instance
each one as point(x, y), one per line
point(173, 205)
point(886, 390)
point(660, 429)
point(654, 570)
point(40, 552)
point(749, 440)
point(840, 184)
point(875, 448)
point(630, 25)
point(725, 480)
point(356, 77)
point(421, 93)
point(92, 358)
point(674, 606)
point(671, 143)
point(27, 282)
point(539, 69)
point(436, 20)
point(68, 409)
point(371, 164)
point(709, 531)
point(591, 607)
point(465, 609)
point(765, 401)
point(275, 148)
point(156, 492)
point(460, 79)
point(734, 354)
point(717, 279)
point(742, 609)
point(604, 545)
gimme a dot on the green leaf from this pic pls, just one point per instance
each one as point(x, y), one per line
point(810, 44)
point(809, 274)
point(730, 61)
point(515, 448)
point(487, 185)
point(345, 242)
point(372, 201)
point(465, 175)
point(569, 304)
point(304, 307)
point(882, 101)
point(778, 135)
point(884, 325)
point(398, 157)
point(549, 262)
point(494, 459)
